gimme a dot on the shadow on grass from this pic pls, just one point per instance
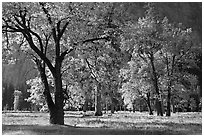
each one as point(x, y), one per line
point(67, 130)
point(71, 130)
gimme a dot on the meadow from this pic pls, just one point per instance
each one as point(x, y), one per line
point(119, 123)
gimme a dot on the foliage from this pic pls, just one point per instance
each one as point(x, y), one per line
point(76, 98)
point(157, 46)
point(36, 91)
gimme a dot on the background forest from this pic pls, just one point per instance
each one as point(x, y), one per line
point(115, 56)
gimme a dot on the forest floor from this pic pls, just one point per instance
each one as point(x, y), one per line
point(120, 123)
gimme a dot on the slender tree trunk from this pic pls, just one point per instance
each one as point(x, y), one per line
point(112, 107)
point(106, 107)
point(200, 83)
point(168, 112)
point(85, 104)
point(155, 81)
point(149, 104)
point(134, 106)
point(140, 105)
point(112, 103)
point(170, 74)
point(98, 108)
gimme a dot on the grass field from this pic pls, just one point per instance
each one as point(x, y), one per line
point(120, 123)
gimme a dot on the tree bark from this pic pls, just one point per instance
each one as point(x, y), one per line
point(155, 83)
point(158, 105)
point(59, 98)
point(85, 105)
point(134, 106)
point(112, 107)
point(98, 108)
point(168, 112)
point(149, 104)
point(169, 74)
point(106, 107)
point(55, 109)
point(50, 103)
point(112, 103)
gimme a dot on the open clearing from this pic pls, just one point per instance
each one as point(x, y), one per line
point(120, 123)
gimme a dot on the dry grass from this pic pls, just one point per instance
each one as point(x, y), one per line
point(118, 123)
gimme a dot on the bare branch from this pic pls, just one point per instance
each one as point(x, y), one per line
point(94, 76)
point(39, 39)
point(95, 39)
point(46, 12)
point(46, 43)
point(65, 53)
point(42, 56)
point(60, 33)
point(49, 20)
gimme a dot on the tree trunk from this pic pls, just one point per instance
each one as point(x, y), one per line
point(112, 107)
point(169, 74)
point(85, 105)
point(134, 108)
point(155, 81)
point(159, 107)
point(55, 109)
point(98, 108)
point(149, 104)
point(112, 104)
point(50, 103)
point(200, 83)
point(168, 112)
point(140, 106)
point(59, 98)
point(106, 107)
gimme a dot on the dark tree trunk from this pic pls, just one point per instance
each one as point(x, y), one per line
point(134, 106)
point(50, 103)
point(140, 106)
point(112, 104)
point(200, 83)
point(59, 98)
point(56, 116)
point(55, 109)
point(98, 108)
point(155, 81)
point(168, 111)
point(106, 107)
point(112, 107)
point(149, 104)
point(158, 105)
point(85, 105)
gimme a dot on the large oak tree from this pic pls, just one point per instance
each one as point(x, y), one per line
point(69, 24)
